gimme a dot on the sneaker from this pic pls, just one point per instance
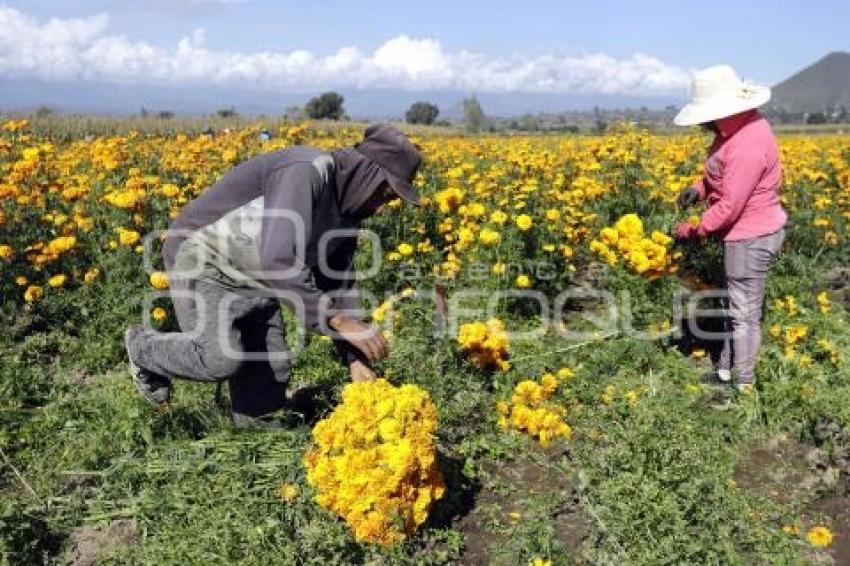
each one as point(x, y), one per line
point(152, 386)
point(717, 377)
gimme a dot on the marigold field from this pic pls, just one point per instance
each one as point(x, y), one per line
point(518, 436)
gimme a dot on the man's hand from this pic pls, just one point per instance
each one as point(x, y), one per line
point(365, 337)
point(360, 371)
point(687, 197)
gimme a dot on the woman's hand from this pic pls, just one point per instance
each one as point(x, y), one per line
point(687, 197)
point(685, 231)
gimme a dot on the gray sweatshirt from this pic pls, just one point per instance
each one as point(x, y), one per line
point(246, 228)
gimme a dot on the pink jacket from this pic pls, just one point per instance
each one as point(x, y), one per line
point(741, 180)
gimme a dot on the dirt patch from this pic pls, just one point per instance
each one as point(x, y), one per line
point(787, 471)
point(837, 512)
point(776, 468)
point(837, 284)
point(88, 544)
point(499, 506)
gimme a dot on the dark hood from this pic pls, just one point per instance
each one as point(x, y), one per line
point(357, 179)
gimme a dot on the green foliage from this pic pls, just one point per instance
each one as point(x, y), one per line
point(473, 115)
point(421, 113)
point(326, 106)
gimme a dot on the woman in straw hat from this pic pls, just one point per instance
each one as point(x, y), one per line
point(740, 184)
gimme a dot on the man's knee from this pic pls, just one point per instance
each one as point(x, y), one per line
point(220, 366)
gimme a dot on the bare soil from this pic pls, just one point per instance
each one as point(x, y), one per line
point(88, 545)
point(494, 506)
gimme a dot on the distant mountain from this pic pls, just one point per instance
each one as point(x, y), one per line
point(821, 87)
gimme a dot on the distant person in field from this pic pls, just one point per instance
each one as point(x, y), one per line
point(740, 184)
point(255, 239)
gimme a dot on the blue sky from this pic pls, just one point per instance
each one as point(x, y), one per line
point(765, 40)
point(644, 51)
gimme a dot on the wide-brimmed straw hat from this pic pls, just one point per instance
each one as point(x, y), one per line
point(718, 92)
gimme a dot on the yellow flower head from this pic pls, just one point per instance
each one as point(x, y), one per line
point(373, 460)
point(524, 222)
point(159, 280)
point(288, 492)
point(819, 536)
point(33, 293)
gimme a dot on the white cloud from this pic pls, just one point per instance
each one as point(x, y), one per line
point(82, 49)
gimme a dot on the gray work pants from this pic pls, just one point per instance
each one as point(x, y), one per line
point(747, 263)
point(226, 334)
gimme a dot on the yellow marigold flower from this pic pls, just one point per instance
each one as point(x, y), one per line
point(170, 190)
point(21, 280)
point(565, 373)
point(57, 280)
point(33, 293)
point(288, 492)
point(498, 217)
point(524, 222)
point(159, 280)
point(159, 314)
point(61, 245)
point(499, 268)
point(549, 382)
point(540, 562)
point(127, 237)
point(609, 236)
point(553, 214)
point(373, 460)
point(819, 536)
point(823, 302)
point(380, 313)
point(489, 237)
point(30, 154)
point(523, 281)
point(91, 275)
point(125, 200)
point(485, 343)
point(6, 252)
point(661, 239)
point(531, 412)
point(405, 250)
point(449, 199)
point(630, 225)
